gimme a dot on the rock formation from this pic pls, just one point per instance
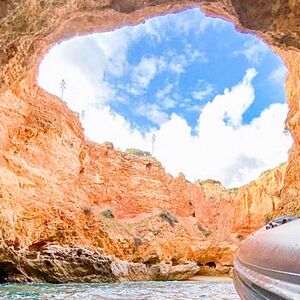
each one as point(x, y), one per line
point(55, 184)
point(57, 264)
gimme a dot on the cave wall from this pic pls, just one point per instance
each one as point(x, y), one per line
point(49, 172)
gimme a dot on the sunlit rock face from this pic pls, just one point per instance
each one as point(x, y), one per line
point(55, 185)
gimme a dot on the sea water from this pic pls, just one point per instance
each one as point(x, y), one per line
point(173, 290)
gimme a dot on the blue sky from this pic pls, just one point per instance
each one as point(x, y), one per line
point(210, 94)
point(214, 59)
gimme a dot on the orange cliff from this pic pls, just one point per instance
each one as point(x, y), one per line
point(55, 184)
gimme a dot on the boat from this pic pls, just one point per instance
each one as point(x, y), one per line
point(267, 265)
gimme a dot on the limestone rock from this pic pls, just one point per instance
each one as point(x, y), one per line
point(58, 264)
point(54, 183)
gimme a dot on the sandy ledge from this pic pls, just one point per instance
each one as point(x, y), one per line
point(210, 278)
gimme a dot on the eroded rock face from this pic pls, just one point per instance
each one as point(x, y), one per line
point(55, 264)
point(62, 264)
point(54, 184)
point(240, 211)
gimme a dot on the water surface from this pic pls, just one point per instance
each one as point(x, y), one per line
point(173, 290)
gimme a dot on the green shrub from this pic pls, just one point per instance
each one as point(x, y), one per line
point(168, 217)
point(108, 213)
point(208, 181)
point(108, 144)
point(87, 210)
point(138, 152)
point(205, 231)
point(239, 236)
point(137, 241)
point(268, 218)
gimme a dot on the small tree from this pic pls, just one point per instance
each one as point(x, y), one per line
point(108, 213)
point(63, 86)
point(268, 218)
point(87, 210)
point(108, 144)
point(138, 152)
point(205, 231)
point(168, 217)
point(239, 236)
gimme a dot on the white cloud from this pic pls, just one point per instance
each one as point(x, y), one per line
point(192, 20)
point(145, 71)
point(152, 112)
point(194, 108)
point(166, 98)
point(203, 93)
point(253, 51)
point(194, 54)
point(168, 103)
point(278, 76)
point(162, 93)
point(230, 106)
point(83, 63)
point(177, 63)
point(238, 153)
point(228, 151)
point(102, 124)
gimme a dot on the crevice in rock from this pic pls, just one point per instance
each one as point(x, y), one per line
point(211, 264)
point(8, 271)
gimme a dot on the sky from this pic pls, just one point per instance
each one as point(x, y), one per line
point(213, 97)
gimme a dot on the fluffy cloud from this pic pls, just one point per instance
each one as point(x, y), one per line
point(203, 93)
point(229, 107)
point(145, 71)
point(180, 24)
point(164, 92)
point(278, 76)
point(168, 103)
point(194, 54)
point(83, 64)
point(102, 124)
point(239, 152)
point(224, 148)
point(152, 112)
point(178, 63)
point(253, 51)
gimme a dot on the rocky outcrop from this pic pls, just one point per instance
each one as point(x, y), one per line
point(55, 184)
point(58, 264)
point(158, 272)
point(55, 264)
point(237, 212)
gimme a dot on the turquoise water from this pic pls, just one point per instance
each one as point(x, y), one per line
point(173, 290)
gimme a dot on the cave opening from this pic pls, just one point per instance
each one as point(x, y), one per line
point(7, 270)
point(188, 89)
point(211, 264)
